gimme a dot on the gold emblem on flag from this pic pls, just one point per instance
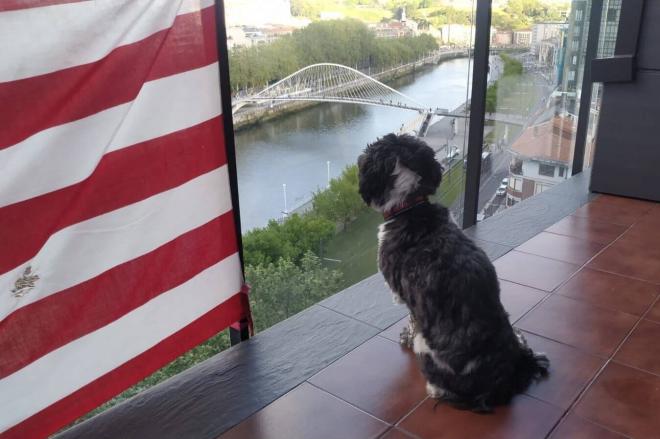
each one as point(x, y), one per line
point(25, 283)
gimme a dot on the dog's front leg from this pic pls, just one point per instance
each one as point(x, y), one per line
point(408, 333)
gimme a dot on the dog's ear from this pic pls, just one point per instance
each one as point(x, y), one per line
point(376, 167)
point(420, 158)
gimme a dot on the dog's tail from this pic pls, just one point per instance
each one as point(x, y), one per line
point(530, 366)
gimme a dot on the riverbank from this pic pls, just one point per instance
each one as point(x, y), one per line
point(255, 115)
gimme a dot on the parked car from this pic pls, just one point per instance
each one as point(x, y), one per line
point(453, 153)
point(505, 181)
point(501, 190)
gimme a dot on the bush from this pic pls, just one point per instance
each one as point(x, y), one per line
point(284, 288)
point(290, 239)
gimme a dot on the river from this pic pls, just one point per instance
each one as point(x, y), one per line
point(295, 148)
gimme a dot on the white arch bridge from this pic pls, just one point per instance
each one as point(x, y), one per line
point(327, 82)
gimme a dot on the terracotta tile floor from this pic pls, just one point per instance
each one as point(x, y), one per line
point(588, 296)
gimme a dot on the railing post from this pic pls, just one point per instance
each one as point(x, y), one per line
point(236, 334)
point(477, 112)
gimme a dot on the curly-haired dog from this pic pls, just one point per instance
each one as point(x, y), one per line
point(469, 353)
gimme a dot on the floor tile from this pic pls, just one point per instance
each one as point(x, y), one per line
point(570, 371)
point(642, 348)
point(394, 332)
point(534, 271)
point(518, 299)
point(654, 313)
point(564, 248)
point(307, 412)
point(525, 418)
point(620, 211)
point(586, 228)
point(379, 377)
point(395, 433)
point(645, 230)
point(611, 291)
point(624, 400)
point(575, 427)
point(589, 328)
point(630, 258)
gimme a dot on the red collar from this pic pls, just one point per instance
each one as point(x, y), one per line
point(404, 207)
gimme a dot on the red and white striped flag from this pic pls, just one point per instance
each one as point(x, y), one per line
point(118, 248)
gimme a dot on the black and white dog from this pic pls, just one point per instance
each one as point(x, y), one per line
point(469, 353)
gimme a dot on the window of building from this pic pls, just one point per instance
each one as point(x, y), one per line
point(571, 75)
point(546, 170)
point(561, 171)
point(578, 15)
point(574, 59)
point(612, 14)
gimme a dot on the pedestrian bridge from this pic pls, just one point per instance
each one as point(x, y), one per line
point(327, 82)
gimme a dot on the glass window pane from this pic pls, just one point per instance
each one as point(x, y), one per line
point(533, 104)
point(298, 140)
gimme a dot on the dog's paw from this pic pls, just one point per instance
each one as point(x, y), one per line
point(434, 391)
point(406, 337)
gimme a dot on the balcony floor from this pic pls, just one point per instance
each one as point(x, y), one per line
point(585, 291)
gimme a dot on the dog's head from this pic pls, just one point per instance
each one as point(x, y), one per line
point(395, 169)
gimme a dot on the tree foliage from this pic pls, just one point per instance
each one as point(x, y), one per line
point(348, 42)
point(283, 288)
point(491, 98)
point(341, 201)
point(290, 239)
point(521, 14)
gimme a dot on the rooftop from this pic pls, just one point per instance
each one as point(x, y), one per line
point(550, 140)
point(588, 297)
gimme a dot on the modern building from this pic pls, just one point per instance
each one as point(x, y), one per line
point(576, 45)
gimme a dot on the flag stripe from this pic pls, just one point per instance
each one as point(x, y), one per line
point(122, 177)
point(12, 5)
point(86, 249)
point(34, 104)
point(79, 363)
point(95, 393)
point(163, 106)
point(111, 294)
point(43, 40)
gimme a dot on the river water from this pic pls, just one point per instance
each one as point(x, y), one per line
point(294, 149)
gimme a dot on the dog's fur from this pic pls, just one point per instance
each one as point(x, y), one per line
point(469, 353)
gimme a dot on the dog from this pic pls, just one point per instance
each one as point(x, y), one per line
point(470, 355)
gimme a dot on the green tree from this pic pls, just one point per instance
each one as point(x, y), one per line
point(491, 98)
point(341, 201)
point(290, 239)
point(283, 288)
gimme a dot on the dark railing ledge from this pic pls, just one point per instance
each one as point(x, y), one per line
point(213, 396)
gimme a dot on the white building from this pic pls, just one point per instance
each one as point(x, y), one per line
point(522, 37)
point(545, 31)
point(542, 156)
point(459, 34)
